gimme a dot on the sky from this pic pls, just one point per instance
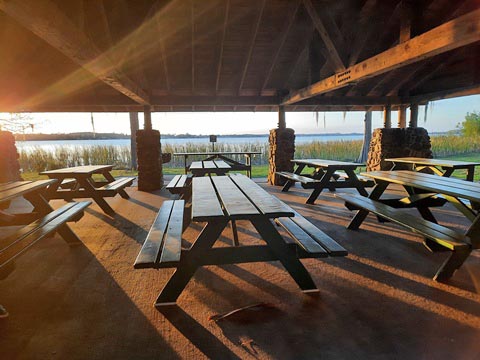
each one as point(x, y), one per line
point(443, 115)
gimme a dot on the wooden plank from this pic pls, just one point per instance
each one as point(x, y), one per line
point(20, 241)
point(220, 55)
point(220, 164)
point(196, 165)
point(301, 237)
point(12, 185)
point(45, 19)
point(434, 162)
point(173, 183)
point(295, 177)
point(327, 163)
point(442, 235)
point(433, 183)
point(172, 247)
point(209, 165)
point(333, 248)
point(456, 33)
point(268, 205)
point(153, 244)
point(236, 204)
point(205, 203)
point(118, 184)
point(24, 188)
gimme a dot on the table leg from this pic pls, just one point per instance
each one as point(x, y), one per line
point(284, 254)
point(191, 261)
point(356, 182)
point(324, 182)
point(110, 178)
point(454, 261)
point(185, 163)
point(470, 173)
point(91, 192)
point(43, 207)
point(235, 233)
point(361, 214)
point(289, 183)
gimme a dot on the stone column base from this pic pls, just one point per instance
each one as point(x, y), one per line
point(150, 176)
point(282, 150)
point(397, 142)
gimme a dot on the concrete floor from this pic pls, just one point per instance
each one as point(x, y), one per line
point(379, 302)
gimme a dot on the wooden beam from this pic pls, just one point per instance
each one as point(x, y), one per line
point(387, 117)
point(252, 44)
point(299, 57)
point(220, 55)
point(459, 32)
point(133, 141)
point(147, 117)
point(282, 123)
point(445, 94)
point(192, 19)
point(402, 117)
point(406, 15)
point(334, 55)
point(47, 21)
point(413, 115)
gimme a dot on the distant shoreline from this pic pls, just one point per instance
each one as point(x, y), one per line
point(109, 136)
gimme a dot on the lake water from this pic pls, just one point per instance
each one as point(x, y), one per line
point(235, 140)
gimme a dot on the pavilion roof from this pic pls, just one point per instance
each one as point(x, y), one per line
point(235, 55)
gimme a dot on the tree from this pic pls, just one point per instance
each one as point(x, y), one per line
point(471, 125)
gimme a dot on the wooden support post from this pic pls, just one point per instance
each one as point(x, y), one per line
point(387, 116)
point(367, 137)
point(402, 116)
point(147, 118)
point(133, 140)
point(413, 116)
point(406, 15)
point(282, 123)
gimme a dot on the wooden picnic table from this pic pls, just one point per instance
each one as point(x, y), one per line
point(456, 191)
point(217, 200)
point(202, 168)
point(81, 184)
point(437, 166)
point(225, 156)
point(42, 221)
point(325, 175)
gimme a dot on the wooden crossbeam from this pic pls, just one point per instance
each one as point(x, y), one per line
point(220, 55)
point(456, 33)
point(446, 94)
point(47, 21)
point(334, 55)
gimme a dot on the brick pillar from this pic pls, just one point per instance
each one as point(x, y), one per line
point(282, 150)
point(150, 175)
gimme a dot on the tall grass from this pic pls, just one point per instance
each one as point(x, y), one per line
point(39, 159)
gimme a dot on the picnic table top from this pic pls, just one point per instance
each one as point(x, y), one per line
point(433, 183)
point(210, 165)
point(12, 190)
point(327, 163)
point(79, 170)
point(233, 197)
point(433, 162)
point(217, 153)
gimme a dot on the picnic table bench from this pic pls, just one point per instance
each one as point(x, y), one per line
point(437, 237)
point(329, 174)
point(78, 182)
point(180, 185)
point(216, 201)
point(38, 224)
point(225, 156)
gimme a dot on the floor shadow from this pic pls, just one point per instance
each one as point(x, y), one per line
point(122, 224)
point(198, 335)
point(78, 312)
point(145, 205)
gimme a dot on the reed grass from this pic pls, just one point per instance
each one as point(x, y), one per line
point(39, 159)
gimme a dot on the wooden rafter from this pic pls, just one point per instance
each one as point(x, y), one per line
point(220, 55)
point(459, 32)
point(446, 94)
point(273, 63)
point(48, 22)
point(300, 56)
point(252, 44)
point(333, 53)
point(192, 19)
